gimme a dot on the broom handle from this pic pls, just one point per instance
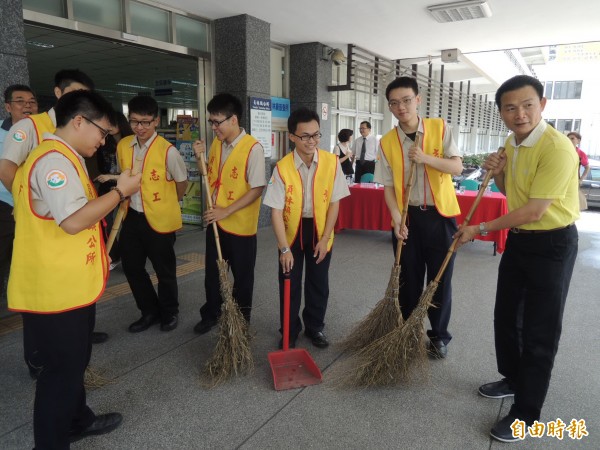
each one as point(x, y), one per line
point(121, 212)
point(409, 185)
point(286, 311)
point(210, 203)
point(452, 248)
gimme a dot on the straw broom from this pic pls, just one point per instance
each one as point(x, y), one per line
point(92, 378)
point(386, 315)
point(411, 337)
point(401, 354)
point(232, 355)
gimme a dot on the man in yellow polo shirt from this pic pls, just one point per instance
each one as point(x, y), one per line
point(304, 194)
point(539, 175)
point(236, 174)
point(432, 204)
point(55, 287)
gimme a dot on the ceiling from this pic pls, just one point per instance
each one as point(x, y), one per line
point(404, 29)
point(394, 30)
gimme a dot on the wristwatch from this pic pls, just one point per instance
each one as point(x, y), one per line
point(284, 250)
point(482, 230)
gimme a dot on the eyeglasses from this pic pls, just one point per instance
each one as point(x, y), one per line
point(307, 137)
point(24, 102)
point(102, 130)
point(217, 123)
point(143, 123)
point(404, 102)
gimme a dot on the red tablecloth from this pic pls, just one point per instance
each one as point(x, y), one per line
point(491, 206)
point(364, 209)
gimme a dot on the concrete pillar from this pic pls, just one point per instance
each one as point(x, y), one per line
point(13, 56)
point(242, 68)
point(310, 75)
point(242, 59)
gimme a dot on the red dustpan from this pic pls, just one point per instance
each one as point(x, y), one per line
point(292, 368)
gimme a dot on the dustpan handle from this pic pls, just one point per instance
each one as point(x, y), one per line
point(286, 311)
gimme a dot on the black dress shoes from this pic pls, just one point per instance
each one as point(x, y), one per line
point(169, 324)
point(497, 389)
point(436, 349)
point(503, 431)
point(205, 325)
point(99, 337)
point(104, 423)
point(143, 324)
point(317, 338)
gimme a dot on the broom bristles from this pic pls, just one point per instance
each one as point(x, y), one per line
point(232, 355)
point(397, 357)
point(92, 379)
point(382, 319)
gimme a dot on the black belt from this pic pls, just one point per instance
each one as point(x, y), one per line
point(522, 231)
point(131, 210)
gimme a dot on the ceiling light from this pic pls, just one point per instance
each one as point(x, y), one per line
point(457, 11)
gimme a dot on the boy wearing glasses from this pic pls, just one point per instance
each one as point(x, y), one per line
point(236, 174)
point(153, 217)
point(56, 287)
point(304, 194)
point(432, 204)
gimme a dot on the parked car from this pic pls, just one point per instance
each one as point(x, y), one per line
point(590, 186)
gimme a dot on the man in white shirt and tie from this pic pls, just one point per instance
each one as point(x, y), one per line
point(365, 150)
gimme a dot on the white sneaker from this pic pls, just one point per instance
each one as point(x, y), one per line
point(113, 265)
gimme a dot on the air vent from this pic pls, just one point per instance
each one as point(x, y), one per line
point(457, 11)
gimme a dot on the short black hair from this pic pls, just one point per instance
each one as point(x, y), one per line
point(367, 123)
point(8, 92)
point(518, 82)
point(574, 133)
point(85, 103)
point(302, 115)
point(402, 82)
point(66, 77)
point(143, 105)
point(225, 104)
point(345, 134)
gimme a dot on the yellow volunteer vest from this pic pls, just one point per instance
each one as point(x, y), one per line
point(440, 183)
point(43, 124)
point(230, 184)
point(294, 193)
point(159, 195)
point(51, 270)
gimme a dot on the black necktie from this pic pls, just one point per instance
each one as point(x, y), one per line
point(363, 150)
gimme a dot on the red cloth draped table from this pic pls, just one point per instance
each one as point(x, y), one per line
point(491, 206)
point(364, 209)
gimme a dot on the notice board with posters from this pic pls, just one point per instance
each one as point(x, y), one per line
point(191, 205)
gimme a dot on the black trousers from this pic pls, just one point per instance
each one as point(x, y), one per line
point(240, 254)
point(316, 283)
point(533, 283)
point(429, 238)
point(138, 243)
point(362, 168)
point(7, 236)
point(64, 348)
